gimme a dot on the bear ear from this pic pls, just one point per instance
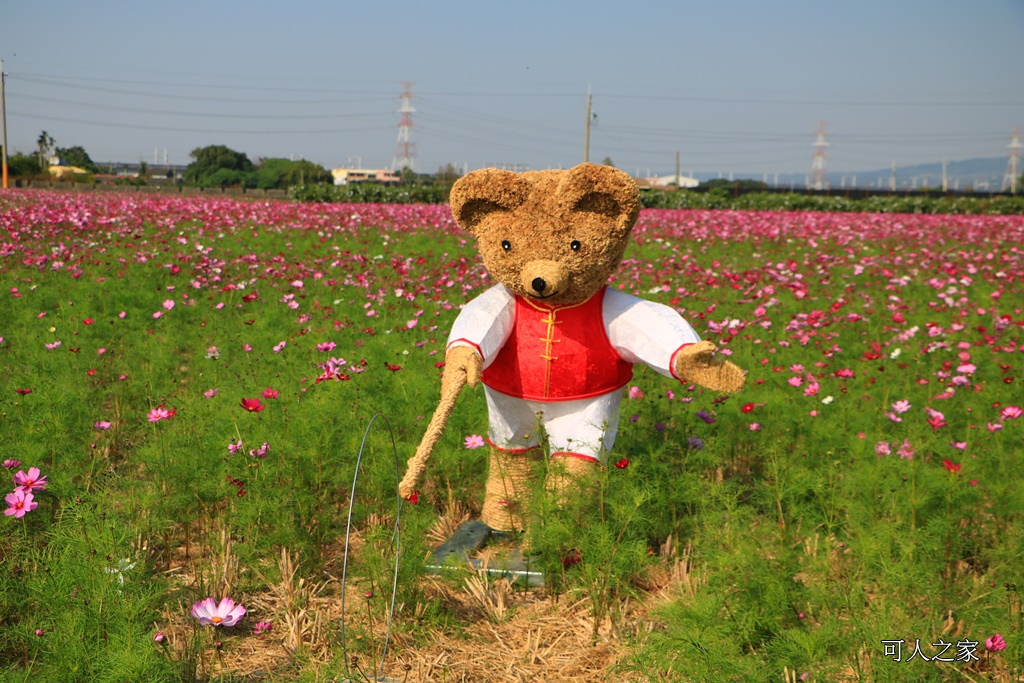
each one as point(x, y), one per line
point(603, 190)
point(480, 193)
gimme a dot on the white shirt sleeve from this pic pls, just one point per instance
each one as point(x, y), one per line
point(485, 323)
point(643, 331)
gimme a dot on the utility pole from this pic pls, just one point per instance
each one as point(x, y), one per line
point(677, 169)
point(586, 131)
point(3, 123)
point(945, 177)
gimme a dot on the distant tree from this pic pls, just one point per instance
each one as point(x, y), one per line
point(78, 157)
point(210, 160)
point(143, 170)
point(45, 141)
point(23, 165)
point(608, 162)
point(407, 175)
point(447, 175)
point(284, 173)
point(304, 172)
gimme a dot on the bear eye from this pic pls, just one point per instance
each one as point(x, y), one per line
point(575, 246)
point(506, 245)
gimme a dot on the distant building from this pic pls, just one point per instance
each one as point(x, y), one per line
point(344, 176)
point(60, 172)
point(666, 181)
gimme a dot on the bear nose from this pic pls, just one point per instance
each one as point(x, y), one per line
point(539, 284)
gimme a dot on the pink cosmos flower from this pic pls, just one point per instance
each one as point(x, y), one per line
point(279, 346)
point(234, 446)
point(882, 448)
point(995, 643)
point(993, 427)
point(263, 627)
point(901, 406)
point(635, 393)
point(755, 426)
point(260, 452)
point(326, 346)
point(168, 304)
point(1011, 412)
point(210, 393)
point(11, 464)
point(224, 613)
point(161, 413)
point(30, 482)
point(270, 392)
point(906, 451)
point(101, 424)
point(795, 381)
point(473, 441)
point(20, 502)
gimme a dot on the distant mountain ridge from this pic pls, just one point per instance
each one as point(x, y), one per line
point(983, 173)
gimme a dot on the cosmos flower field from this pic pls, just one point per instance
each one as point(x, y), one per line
point(185, 383)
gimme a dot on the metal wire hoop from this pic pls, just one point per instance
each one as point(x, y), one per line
point(396, 540)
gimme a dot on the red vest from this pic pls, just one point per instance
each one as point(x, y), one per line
point(558, 353)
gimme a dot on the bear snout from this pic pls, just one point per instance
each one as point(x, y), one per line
point(542, 279)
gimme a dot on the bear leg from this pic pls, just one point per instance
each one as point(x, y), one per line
point(510, 478)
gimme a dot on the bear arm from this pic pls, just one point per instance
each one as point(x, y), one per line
point(646, 332)
point(485, 323)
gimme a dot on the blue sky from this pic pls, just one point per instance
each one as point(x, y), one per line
point(736, 87)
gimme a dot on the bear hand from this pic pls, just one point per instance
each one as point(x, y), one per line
point(462, 364)
point(697, 364)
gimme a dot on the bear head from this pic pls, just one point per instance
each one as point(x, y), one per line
point(552, 236)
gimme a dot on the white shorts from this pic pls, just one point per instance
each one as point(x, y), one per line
point(583, 427)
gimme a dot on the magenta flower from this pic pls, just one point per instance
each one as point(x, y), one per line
point(11, 464)
point(19, 503)
point(101, 424)
point(995, 643)
point(271, 392)
point(1011, 412)
point(253, 405)
point(882, 448)
point(210, 393)
point(161, 413)
point(234, 447)
point(473, 441)
point(30, 482)
point(224, 613)
point(260, 452)
point(635, 393)
point(906, 451)
point(263, 627)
